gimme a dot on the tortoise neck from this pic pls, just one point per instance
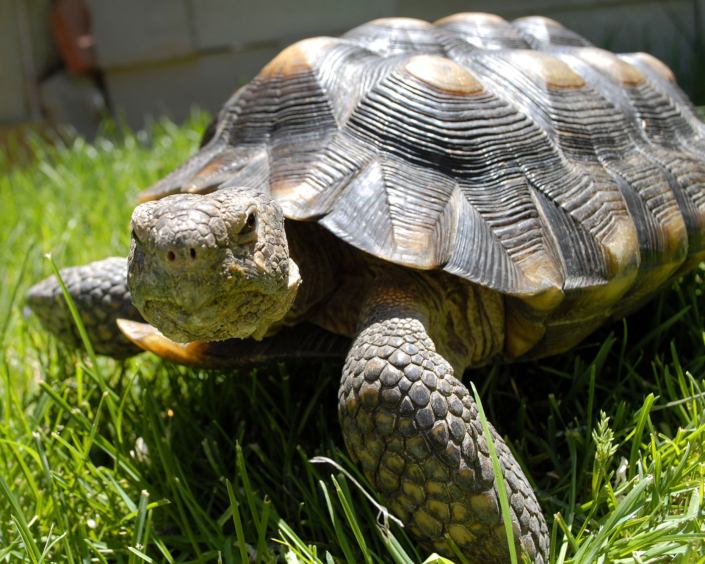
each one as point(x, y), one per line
point(336, 278)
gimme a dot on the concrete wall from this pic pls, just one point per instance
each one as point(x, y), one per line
point(166, 56)
point(15, 97)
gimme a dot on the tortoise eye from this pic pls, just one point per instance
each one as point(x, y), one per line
point(249, 224)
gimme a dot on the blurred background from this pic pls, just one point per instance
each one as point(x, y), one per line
point(75, 61)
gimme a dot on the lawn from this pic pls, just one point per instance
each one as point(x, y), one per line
point(147, 461)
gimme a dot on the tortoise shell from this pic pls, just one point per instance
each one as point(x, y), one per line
point(516, 156)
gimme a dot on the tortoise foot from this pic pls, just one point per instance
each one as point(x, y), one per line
point(99, 290)
point(416, 431)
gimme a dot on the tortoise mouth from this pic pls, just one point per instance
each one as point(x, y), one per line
point(235, 311)
point(214, 321)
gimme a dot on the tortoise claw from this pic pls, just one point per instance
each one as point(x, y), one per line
point(150, 339)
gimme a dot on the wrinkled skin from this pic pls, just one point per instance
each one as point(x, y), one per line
point(211, 267)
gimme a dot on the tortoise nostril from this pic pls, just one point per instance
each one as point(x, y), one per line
point(178, 258)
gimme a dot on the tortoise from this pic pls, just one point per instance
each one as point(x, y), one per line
point(421, 199)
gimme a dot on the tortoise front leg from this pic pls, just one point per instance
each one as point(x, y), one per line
point(99, 290)
point(416, 431)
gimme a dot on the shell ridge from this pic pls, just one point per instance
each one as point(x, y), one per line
point(693, 215)
point(503, 80)
point(476, 240)
point(339, 164)
point(647, 64)
point(542, 31)
point(581, 257)
point(484, 31)
point(599, 81)
point(360, 215)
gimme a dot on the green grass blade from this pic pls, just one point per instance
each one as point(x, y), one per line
point(74, 313)
point(136, 541)
point(590, 548)
point(499, 480)
point(352, 520)
point(49, 545)
point(99, 556)
point(260, 525)
point(340, 535)
point(27, 539)
point(638, 432)
point(242, 545)
point(85, 339)
point(139, 555)
point(262, 537)
point(15, 289)
point(455, 548)
point(20, 520)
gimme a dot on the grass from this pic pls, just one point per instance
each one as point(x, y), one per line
point(144, 461)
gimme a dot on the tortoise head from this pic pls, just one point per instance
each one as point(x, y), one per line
point(211, 267)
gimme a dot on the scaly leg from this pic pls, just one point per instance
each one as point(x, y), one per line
point(416, 431)
point(99, 290)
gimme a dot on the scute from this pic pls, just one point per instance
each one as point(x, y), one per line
point(547, 68)
point(612, 65)
point(514, 155)
point(299, 56)
point(541, 31)
point(654, 64)
point(474, 18)
point(484, 31)
point(443, 74)
point(392, 36)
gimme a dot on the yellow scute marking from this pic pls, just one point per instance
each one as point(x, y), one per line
point(549, 69)
point(623, 248)
point(402, 23)
point(301, 54)
point(612, 65)
point(442, 74)
point(548, 22)
point(478, 18)
point(657, 65)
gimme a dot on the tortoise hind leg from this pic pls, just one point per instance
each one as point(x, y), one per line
point(416, 431)
point(99, 290)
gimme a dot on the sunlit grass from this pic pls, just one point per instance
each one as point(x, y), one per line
point(146, 461)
